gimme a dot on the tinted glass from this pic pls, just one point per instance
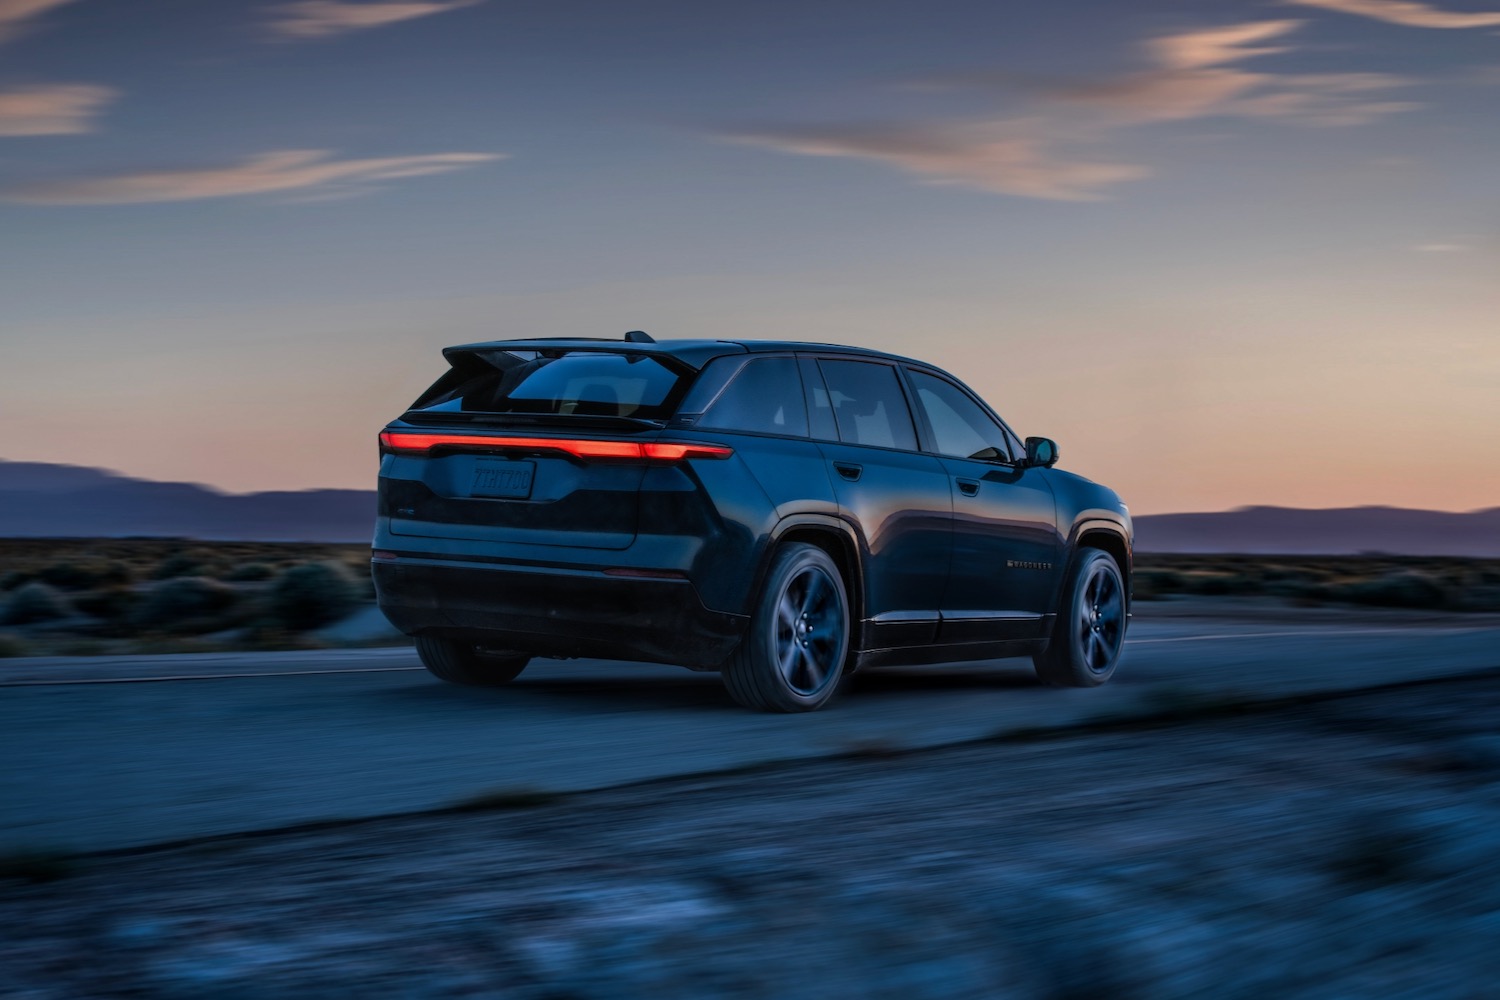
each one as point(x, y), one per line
point(766, 396)
point(868, 404)
point(960, 428)
point(585, 383)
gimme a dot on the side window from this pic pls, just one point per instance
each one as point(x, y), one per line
point(868, 404)
point(766, 397)
point(960, 428)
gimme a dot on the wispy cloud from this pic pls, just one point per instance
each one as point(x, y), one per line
point(15, 15)
point(322, 18)
point(1407, 12)
point(305, 171)
point(1196, 76)
point(1191, 75)
point(975, 156)
point(1217, 46)
point(1452, 244)
point(52, 109)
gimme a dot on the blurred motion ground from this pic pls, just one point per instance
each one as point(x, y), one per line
point(1345, 848)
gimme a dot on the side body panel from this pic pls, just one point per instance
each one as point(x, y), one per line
point(1007, 552)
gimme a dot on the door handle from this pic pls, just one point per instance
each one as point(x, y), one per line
point(968, 487)
point(848, 471)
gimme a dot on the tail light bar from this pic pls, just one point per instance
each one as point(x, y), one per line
point(424, 443)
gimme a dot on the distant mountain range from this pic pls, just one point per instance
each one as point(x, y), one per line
point(1336, 531)
point(42, 500)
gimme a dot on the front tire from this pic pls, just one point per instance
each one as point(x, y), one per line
point(1090, 631)
point(792, 657)
point(465, 663)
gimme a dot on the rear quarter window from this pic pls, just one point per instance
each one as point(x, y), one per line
point(765, 397)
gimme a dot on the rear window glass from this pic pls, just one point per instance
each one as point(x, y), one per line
point(766, 397)
point(588, 384)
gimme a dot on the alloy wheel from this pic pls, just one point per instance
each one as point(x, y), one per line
point(809, 631)
point(1101, 617)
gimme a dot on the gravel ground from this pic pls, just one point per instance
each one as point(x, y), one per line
point(1347, 848)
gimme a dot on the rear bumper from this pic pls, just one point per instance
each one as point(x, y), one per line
point(553, 611)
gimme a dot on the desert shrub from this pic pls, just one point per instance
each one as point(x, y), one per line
point(186, 562)
point(13, 579)
point(1219, 584)
point(84, 574)
point(252, 572)
point(1401, 589)
point(34, 602)
point(1298, 585)
point(1480, 597)
point(312, 595)
point(112, 603)
point(1162, 579)
point(1149, 584)
point(11, 645)
point(183, 604)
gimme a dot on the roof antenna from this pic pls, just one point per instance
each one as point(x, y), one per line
point(639, 337)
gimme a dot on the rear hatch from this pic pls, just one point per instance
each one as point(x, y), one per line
point(543, 446)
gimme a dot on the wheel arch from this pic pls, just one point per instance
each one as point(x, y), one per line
point(1109, 536)
point(834, 536)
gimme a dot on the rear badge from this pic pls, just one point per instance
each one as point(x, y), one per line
point(498, 478)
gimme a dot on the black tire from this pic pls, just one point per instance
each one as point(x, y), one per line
point(1090, 632)
point(792, 657)
point(465, 663)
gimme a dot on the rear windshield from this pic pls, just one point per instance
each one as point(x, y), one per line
point(584, 383)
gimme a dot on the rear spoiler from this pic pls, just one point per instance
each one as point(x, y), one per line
point(680, 355)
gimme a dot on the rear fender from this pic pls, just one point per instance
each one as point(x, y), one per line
point(833, 534)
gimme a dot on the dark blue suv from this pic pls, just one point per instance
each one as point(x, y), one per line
point(782, 513)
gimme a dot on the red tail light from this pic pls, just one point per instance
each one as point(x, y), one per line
point(676, 451)
point(423, 443)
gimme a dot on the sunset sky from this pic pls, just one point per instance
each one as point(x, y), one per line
point(1225, 253)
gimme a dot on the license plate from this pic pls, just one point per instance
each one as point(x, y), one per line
point(503, 479)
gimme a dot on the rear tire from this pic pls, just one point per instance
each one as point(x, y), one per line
point(1090, 630)
point(465, 663)
point(792, 658)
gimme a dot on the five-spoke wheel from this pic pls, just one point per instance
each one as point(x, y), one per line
point(1090, 632)
point(793, 655)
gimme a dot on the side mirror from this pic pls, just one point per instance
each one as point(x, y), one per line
point(1041, 451)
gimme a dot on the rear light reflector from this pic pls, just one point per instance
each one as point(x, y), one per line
point(422, 443)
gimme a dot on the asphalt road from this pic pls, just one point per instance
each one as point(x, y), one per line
point(103, 753)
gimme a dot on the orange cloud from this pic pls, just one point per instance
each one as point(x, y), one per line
point(981, 157)
point(322, 18)
point(1216, 46)
point(1193, 76)
point(1406, 12)
point(268, 173)
point(1196, 80)
point(54, 109)
point(15, 14)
